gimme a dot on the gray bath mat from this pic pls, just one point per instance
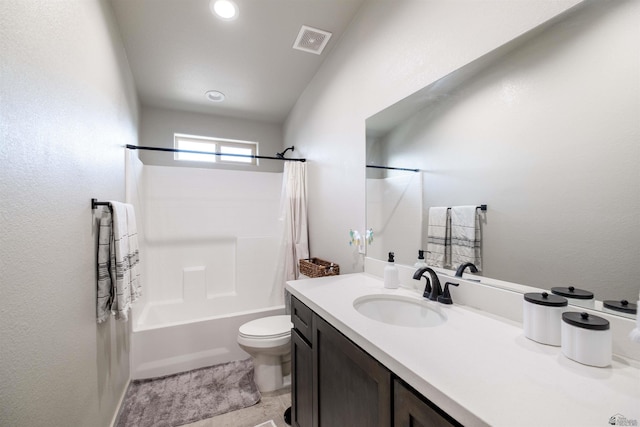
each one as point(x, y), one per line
point(187, 397)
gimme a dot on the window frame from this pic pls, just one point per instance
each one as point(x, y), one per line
point(218, 144)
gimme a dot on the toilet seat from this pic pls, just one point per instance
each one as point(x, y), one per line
point(265, 332)
point(267, 327)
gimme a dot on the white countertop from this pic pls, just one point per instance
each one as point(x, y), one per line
point(477, 367)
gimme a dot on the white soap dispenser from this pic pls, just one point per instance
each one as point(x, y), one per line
point(420, 262)
point(391, 273)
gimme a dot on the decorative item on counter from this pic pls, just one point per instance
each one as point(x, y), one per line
point(391, 273)
point(355, 238)
point(316, 267)
point(542, 316)
point(623, 306)
point(575, 296)
point(420, 263)
point(586, 338)
point(368, 235)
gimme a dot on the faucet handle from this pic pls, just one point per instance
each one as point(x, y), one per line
point(445, 298)
point(427, 288)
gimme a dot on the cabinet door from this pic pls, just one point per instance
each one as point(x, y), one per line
point(411, 411)
point(301, 384)
point(351, 387)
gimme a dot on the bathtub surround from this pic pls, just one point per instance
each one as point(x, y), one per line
point(210, 251)
point(191, 396)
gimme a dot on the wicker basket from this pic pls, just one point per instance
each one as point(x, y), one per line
point(316, 267)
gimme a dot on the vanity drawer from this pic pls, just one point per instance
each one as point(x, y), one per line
point(301, 316)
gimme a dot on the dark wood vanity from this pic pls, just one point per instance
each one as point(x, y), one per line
point(335, 383)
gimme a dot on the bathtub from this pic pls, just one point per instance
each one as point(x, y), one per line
point(172, 337)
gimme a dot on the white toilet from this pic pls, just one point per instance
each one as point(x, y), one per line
point(268, 341)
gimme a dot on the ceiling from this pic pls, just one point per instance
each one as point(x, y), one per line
point(178, 50)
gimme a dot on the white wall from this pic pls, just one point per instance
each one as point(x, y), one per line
point(549, 137)
point(67, 107)
point(391, 49)
point(158, 125)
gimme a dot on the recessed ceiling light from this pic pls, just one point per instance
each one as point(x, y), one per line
point(224, 9)
point(215, 96)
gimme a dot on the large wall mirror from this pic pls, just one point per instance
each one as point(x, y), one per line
point(545, 130)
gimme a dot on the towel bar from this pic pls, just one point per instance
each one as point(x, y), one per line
point(95, 203)
point(481, 207)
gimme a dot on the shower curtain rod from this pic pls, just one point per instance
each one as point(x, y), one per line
point(392, 168)
point(175, 150)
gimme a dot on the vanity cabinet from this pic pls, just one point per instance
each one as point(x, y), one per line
point(410, 410)
point(301, 365)
point(336, 383)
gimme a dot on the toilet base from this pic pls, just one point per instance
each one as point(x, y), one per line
point(267, 372)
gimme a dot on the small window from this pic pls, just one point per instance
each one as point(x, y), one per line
point(236, 151)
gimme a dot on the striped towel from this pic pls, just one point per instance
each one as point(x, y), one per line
point(118, 262)
point(438, 238)
point(465, 236)
point(105, 293)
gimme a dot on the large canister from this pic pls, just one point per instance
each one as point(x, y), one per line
point(586, 338)
point(575, 296)
point(542, 317)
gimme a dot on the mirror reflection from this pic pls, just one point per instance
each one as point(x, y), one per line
point(545, 131)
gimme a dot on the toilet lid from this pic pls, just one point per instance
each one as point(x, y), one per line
point(267, 327)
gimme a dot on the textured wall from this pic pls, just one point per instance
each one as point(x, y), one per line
point(67, 108)
point(391, 49)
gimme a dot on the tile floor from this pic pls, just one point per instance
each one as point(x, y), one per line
point(271, 407)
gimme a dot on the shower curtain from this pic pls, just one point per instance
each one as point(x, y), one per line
point(293, 218)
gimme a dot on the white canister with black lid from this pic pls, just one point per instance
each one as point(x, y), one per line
point(575, 296)
point(542, 316)
point(586, 338)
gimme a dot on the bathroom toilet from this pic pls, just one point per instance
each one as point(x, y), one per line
point(268, 341)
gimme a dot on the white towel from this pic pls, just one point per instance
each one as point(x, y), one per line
point(118, 262)
point(438, 237)
point(465, 236)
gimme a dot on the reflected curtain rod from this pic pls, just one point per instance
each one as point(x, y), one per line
point(392, 168)
point(175, 150)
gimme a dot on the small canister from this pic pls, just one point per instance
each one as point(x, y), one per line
point(586, 338)
point(542, 316)
point(575, 296)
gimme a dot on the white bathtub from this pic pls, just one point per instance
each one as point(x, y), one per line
point(175, 337)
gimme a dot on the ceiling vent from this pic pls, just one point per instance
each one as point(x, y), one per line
point(311, 40)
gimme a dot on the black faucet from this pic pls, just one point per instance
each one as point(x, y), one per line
point(433, 289)
point(462, 267)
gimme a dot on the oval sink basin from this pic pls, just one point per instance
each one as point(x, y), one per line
point(399, 311)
